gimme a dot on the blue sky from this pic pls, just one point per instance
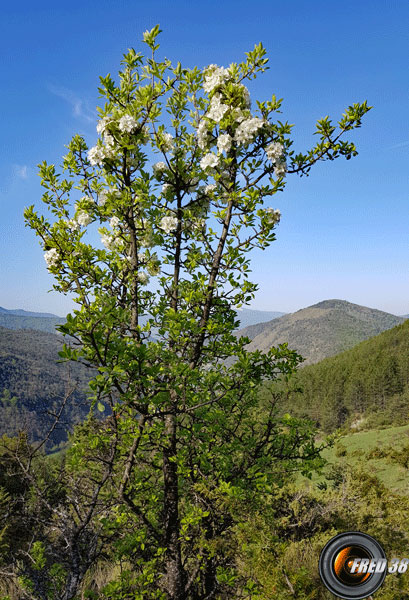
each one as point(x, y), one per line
point(344, 230)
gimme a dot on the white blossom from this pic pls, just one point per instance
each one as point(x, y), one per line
point(280, 168)
point(166, 187)
point(141, 257)
point(203, 135)
point(73, 225)
point(159, 168)
point(102, 197)
point(274, 151)
point(239, 115)
point(210, 188)
point(167, 142)
point(214, 76)
point(127, 124)
point(209, 160)
point(51, 257)
point(168, 224)
point(248, 130)
point(102, 124)
point(224, 142)
point(96, 155)
point(217, 109)
point(108, 241)
point(109, 141)
point(143, 277)
point(83, 218)
point(114, 222)
point(273, 215)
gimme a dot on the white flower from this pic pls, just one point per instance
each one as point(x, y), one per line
point(143, 277)
point(210, 160)
point(102, 124)
point(96, 155)
point(109, 141)
point(108, 241)
point(102, 197)
point(224, 142)
point(210, 188)
point(73, 225)
point(51, 257)
point(168, 224)
point(216, 110)
point(274, 151)
point(127, 124)
point(280, 168)
point(166, 188)
point(83, 218)
point(114, 222)
point(248, 130)
point(141, 257)
point(273, 215)
point(159, 168)
point(214, 76)
point(203, 135)
point(167, 142)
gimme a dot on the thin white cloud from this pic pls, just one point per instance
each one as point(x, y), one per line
point(401, 145)
point(80, 109)
point(21, 171)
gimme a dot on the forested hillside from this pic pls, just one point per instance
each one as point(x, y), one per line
point(34, 384)
point(367, 385)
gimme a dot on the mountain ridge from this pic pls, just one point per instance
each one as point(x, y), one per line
point(321, 330)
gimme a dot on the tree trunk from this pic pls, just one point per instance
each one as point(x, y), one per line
point(174, 570)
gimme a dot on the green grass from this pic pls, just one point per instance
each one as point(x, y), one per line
point(358, 445)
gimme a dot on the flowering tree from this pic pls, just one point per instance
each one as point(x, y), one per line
point(194, 445)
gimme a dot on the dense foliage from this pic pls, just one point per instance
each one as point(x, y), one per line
point(366, 386)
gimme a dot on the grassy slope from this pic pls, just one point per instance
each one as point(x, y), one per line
point(359, 444)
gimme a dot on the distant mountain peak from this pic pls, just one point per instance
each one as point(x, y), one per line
point(321, 330)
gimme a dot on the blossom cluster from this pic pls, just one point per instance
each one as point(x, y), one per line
point(127, 124)
point(159, 168)
point(167, 142)
point(83, 218)
point(247, 130)
point(273, 215)
point(96, 155)
point(217, 109)
point(204, 136)
point(210, 160)
point(224, 142)
point(168, 224)
point(214, 76)
point(51, 257)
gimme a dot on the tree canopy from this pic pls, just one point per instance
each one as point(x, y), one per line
point(189, 447)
